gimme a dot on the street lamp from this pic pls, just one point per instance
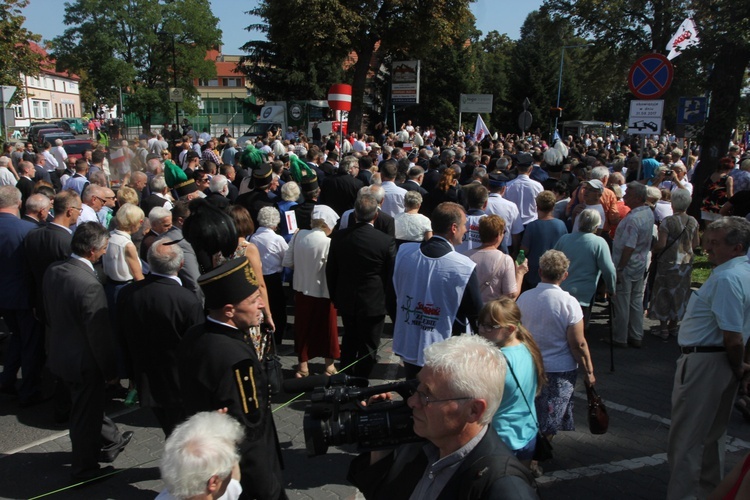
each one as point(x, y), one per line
point(559, 81)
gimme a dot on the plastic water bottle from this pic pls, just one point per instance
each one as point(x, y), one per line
point(521, 257)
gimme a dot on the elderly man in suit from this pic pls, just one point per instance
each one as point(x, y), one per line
point(82, 350)
point(37, 209)
point(339, 190)
point(154, 314)
point(25, 348)
point(359, 274)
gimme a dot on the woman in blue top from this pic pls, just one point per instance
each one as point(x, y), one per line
point(515, 419)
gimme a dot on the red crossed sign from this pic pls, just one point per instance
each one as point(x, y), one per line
point(650, 76)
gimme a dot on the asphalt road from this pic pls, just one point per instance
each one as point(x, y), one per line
point(629, 462)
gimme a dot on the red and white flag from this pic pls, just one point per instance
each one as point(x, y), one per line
point(686, 36)
point(117, 156)
point(480, 130)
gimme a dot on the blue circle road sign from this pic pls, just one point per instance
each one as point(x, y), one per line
point(650, 76)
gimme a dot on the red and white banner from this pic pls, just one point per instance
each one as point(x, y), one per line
point(340, 97)
point(480, 130)
point(117, 155)
point(686, 36)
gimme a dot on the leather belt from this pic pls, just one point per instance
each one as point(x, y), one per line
point(700, 348)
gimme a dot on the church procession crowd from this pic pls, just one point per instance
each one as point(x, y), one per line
point(170, 265)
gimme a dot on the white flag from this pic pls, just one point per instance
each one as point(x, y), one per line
point(685, 37)
point(480, 130)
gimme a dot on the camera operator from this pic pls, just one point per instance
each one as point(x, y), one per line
point(452, 409)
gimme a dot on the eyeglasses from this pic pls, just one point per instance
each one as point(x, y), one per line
point(80, 209)
point(425, 400)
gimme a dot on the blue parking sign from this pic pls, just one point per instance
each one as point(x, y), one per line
point(691, 110)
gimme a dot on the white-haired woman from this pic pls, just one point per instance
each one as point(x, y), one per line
point(272, 249)
point(315, 323)
point(673, 252)
point(411, 225)
point(290, 193)
point(589, 258)
point(555, 320)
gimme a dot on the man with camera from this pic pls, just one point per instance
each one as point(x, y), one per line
point(452, 408)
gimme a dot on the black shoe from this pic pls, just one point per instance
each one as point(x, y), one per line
point(91, 475)
point(634, 343)
point(109, 456)
point(9, 389)
point(34, 399)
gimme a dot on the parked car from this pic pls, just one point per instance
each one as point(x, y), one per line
point(65, 136)
point(76, 125)
point(36, 127)
point(46, 132)
point(76, 147)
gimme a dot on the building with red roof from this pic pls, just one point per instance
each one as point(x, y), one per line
point(50, 96)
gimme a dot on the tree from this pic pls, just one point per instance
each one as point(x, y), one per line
point(725, 47)
point(301, 32)
point(15, 40)
point(129, 45)
point(495, 56)
point(535, 70)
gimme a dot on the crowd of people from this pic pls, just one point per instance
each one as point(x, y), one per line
point(164, 265)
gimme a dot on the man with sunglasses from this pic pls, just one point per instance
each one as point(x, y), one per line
point(452, 409)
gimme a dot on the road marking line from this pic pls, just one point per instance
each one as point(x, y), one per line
point(733, 445)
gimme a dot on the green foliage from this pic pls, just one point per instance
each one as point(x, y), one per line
point(18, 57)
point(129, 44)
point(308, 42)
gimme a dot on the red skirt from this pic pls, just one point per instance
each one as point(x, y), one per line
point(316, 333)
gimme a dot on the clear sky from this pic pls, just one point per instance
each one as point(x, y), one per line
point(505, 16)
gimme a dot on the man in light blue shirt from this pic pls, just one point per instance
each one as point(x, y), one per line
point(712, 337)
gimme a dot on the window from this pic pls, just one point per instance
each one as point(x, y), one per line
point(17, 110)
point(214, 82)
point(231, 82)
point(40, 109)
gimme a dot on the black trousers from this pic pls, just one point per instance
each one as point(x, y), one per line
point(24, 351)
point(360, 341)
point(90, 430)
point(275, 287)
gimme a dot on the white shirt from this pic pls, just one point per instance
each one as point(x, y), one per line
point(272, 248)
point(6, 177)
point(523, 192)
point(87, 215)
point(497, 205)
point(51, 163)
point(547, 311)
point(60, 155)
point(393, 204)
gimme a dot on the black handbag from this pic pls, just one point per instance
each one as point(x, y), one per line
point(272, 363)
point(597, 412)
point(543, 449)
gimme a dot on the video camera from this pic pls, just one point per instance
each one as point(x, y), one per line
point(336, 416)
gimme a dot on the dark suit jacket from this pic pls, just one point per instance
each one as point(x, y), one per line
point(190, 269)
point(26, 186)
point(410, 185)
point(15, 292)
point(360, 271)
point(488, 472)
point(365, 176)
point(339, 192)
point(431, 180)
point(81, 341)
point(33, 221)
point(42, 248)
point(218, 200)
point(383, 223)
point(153, 315)
point(152, 201)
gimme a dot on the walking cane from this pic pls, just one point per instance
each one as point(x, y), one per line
point(611, 335)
